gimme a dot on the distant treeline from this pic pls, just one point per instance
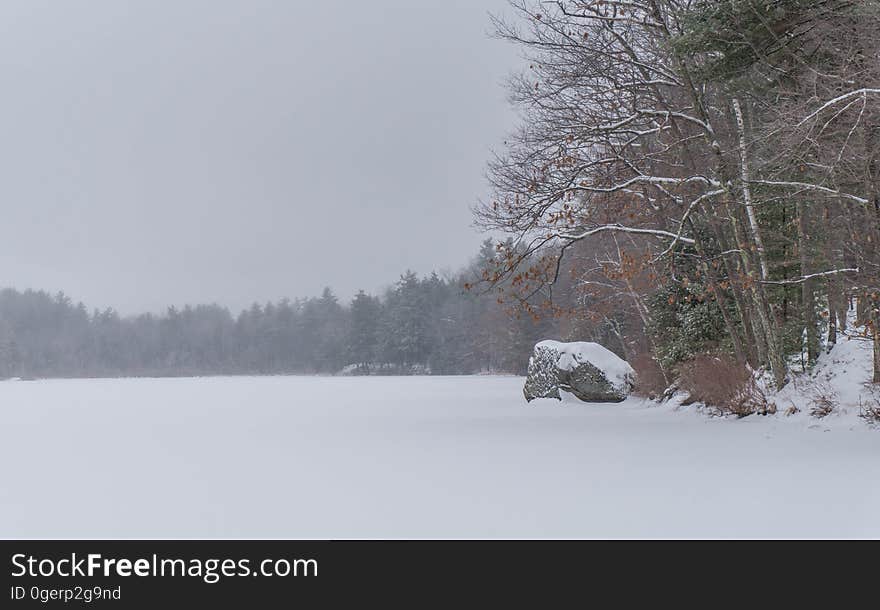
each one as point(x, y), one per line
point(429, 324)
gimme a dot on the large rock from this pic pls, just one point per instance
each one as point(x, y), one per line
point(587, 370)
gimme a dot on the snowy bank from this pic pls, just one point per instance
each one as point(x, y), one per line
point(838, 389)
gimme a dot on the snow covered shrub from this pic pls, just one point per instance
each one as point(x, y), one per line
point(724, 385)
point(869, 411)
point(822, 407)
point(650, 381)
point(823, 401)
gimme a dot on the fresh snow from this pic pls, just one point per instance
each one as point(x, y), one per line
point(397, 457)
point(616, 369)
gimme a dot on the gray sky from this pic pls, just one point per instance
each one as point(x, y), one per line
point(159, 152)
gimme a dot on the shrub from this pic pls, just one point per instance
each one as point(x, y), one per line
point(823, 401)
point(725, 385)
point(870, 411)
point(650, 381)
point(685, 323)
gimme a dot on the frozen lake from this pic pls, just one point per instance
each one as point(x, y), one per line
point(436, 457)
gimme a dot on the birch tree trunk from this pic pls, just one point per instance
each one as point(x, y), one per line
point(747, 191)
point(774, 350)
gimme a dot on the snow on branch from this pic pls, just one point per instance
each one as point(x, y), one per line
point(837, 100)
point(619, 228)
point(680, 115)
point(644, 112)
point(647, 180)
point(804, 278)
point(812, 187)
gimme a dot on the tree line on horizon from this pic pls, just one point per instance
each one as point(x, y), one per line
point(417, 326)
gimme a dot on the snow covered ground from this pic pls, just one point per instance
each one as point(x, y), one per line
point(434, 457)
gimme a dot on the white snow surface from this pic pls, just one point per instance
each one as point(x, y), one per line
point(399, 457)
point(616, 369)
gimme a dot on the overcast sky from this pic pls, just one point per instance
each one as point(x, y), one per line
point(158, 152)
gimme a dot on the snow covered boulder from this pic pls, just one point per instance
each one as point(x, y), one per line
point(587, 370)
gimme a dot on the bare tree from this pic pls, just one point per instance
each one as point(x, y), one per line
point(643, 123)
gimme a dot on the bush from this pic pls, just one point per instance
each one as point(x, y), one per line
point(823, 401)
point(725, 385)
point(870, 411)
point(685, 323)
point(650, 381)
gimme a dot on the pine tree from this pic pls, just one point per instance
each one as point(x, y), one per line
point(363, 333)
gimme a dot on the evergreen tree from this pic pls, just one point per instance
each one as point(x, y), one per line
point(363, 333)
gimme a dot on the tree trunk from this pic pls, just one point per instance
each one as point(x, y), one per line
point(875, 332)
point(756, 352)
point(759, 299)
point(720, 299)
point(808, 300)
point(759, 295)
point(747, 191)
point(842, 305)
point(872, 192)
point(832, 317)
